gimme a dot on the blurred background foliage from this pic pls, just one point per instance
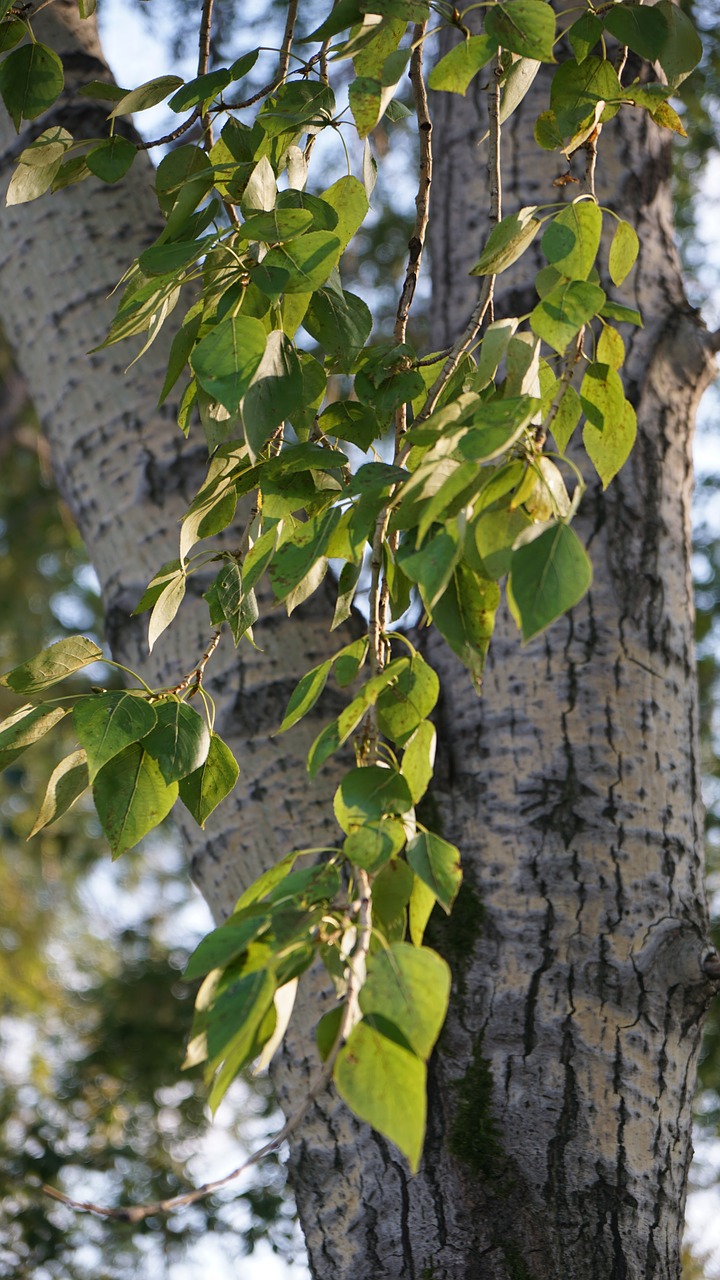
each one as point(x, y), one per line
point(93, 1012)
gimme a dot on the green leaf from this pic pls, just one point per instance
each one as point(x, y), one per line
point(584, 35)
point(106, 723)
point(230, 602)
point(180, 740)
point(572, 239)
point(243, 1006)
point(369, 793)
point(226, 359)
point(437, 863)
point(465, 616)
point(410, 987)
point(624, 315)
point(340, 323)
point(157, 586)
point(371, 1073)
point(349, 661)
point(392, 889)
point(298, 266)
point(408, 701)
point(507, 242)
point(276, 388)
point(609, 448)
point(643, 29)
point(420, 906)
point(373, 844)
point(561, 314)
point(31, 80)
point(432, 566)
point(67, 781)
point(346, 13)
point(112, 159)
point(161, 259)
point(577, 88)
point(146, 95)
point(348, 199)
point(516, 85)
point(348, 420)
point(24, 727)
point(29, 182)
point(11, 33)
point(350, 575)
point(202, 89)
point(667, 118)
point(306, 694)
point(202, 790)
point(610, 349)
point(166, 606)
point(495, 534)
point(276, 225)
point(601, 395)
point(523, 26)
point(623, 252)
point(52, 665)
point(453, 73)
point(549, 575)
point(682, 48)
point(419, 759)
point(131, 797)
point(219, 948)
point(295, 559)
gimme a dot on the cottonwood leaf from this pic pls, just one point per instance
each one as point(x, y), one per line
point(410, 987)
point(507, 242)
point(146, 95)
point(548, 576)
point(131, 797)
point(523, 26)
point(106, 723)
point(610, 447)
point(275, 390)
point(180, 740)
point(24, 727)
point(165, 607)
point(563, 312)
point(226, 359)
point(298, 266)
point(373, 844)
point(31, 80)
point(643, 29)
point(203, 789)
point(623, 252)
point(457, 68)
point(437, 863)
point(112, 159)
point(682, 49)
point(52, 665)
point(419, 759)
point(67, 781)
point(371, 1073)
point(369, 793)
point(572, 239)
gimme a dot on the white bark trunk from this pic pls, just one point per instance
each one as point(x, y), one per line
point(558, 1137)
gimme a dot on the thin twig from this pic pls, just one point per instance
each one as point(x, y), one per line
point(283, 64)
point(356, 975)
point(472, 329)
point(194, 678)
point(570, 360)
point(422, 206)
point(203, 61)
point(171, 137)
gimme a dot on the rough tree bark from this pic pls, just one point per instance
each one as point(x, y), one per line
point(559, 1120)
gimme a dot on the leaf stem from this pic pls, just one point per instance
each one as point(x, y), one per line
point(484, 302)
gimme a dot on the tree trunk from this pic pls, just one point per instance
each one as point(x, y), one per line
point(559, 1120)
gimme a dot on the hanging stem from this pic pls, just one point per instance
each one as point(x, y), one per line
point(484, 302)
